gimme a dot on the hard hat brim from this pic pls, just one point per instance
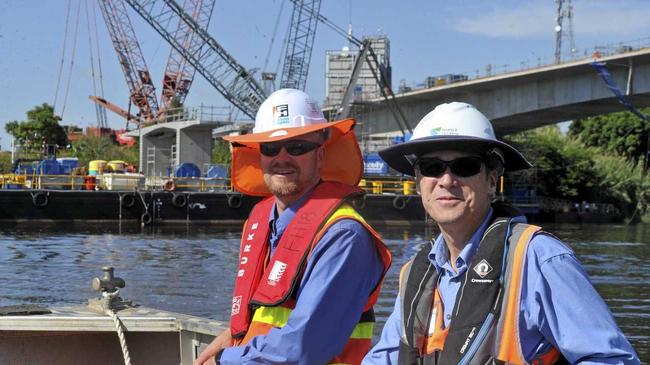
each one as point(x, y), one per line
point(280, 134)
point(402, 156)
point(343, 161)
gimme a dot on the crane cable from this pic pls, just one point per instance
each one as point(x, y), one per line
point(99, 59)
point(74, 51)
point(275, 32)
point(65, 38)
point(90, 49)
point(99, 109)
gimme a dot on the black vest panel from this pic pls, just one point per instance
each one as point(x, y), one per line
point(478, 301)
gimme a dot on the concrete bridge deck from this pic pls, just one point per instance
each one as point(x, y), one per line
point(528, 99)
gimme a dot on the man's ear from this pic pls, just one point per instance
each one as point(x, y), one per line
point(493, 179)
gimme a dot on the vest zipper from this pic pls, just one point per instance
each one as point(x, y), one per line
point(479, 339)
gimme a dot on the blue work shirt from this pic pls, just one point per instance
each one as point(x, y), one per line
point(559, 305)
point(342, 271)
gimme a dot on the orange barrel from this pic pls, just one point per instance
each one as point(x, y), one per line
point(90, 182)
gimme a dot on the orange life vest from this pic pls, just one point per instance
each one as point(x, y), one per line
point(263, 292)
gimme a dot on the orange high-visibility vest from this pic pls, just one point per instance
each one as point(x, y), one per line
point(263, 292)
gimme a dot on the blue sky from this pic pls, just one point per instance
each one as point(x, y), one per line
point(427, 38)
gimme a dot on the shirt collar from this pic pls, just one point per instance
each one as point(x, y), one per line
point(439, 254)
point(279, 222)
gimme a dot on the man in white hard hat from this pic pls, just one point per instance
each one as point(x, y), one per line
point(490, 288)
point(310, 267)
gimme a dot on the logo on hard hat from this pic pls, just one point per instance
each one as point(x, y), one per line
point(443, 131)
point(281, 114)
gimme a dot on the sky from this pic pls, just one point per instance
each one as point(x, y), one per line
point(427, 38)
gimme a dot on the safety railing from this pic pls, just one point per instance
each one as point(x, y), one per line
point(384, 185)
point(112, 181)
point(388, 185)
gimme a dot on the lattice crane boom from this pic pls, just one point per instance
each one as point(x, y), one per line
point(179, 73)
point(209, 58)
point(300, 41)
point(138, 78)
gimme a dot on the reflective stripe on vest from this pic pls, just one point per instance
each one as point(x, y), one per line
point(279, 316)
point(266, 317)
point(477, 344)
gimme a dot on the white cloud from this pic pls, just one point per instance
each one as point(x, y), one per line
point(538, 20)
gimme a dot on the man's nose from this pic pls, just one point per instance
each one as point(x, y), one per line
point(447, 178)
point(283, 154)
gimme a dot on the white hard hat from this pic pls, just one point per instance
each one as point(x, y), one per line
point(452, 126)
point(291, 113)
point(287, 108)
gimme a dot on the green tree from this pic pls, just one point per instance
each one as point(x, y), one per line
point(624, 185)
point(563, 168)
point(5, 162)
point(221, 152)
point(91, 148)
point(40, 129)
point(621, 133)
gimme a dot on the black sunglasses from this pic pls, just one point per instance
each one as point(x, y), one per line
point(461, 167)
point(294, 147)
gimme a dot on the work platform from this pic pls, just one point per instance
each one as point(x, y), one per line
point(185, 136)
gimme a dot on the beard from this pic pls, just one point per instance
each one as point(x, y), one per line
point(285, 188)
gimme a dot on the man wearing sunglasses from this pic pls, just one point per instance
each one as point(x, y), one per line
point(310, 268)
point(490, 288)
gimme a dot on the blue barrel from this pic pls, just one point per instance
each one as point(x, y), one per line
point(187, 169)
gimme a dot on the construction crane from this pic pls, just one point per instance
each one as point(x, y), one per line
point(378, 73)
point(300, 41)
point(210, 59)
point(138, 79)
point(179, 74)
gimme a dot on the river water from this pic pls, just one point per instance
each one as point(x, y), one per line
point(191, 269)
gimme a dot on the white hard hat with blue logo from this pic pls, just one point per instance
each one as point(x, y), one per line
point(287, 114)
point(452, 127)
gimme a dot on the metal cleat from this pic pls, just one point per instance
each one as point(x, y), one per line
point(108, 286)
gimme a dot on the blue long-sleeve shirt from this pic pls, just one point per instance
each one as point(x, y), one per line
point(341, 272)
point(559, 306)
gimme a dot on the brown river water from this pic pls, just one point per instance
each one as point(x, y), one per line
point(190, 269)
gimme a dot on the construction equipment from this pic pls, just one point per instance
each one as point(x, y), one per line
point(378, 73)
point(299, 43)
point(210, 59)
point(179, 74)
point(343, 110)
point(114, 108)
point(138, 79)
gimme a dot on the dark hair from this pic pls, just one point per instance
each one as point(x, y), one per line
point(494, 160)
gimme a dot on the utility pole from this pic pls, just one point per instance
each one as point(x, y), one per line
point(558, 31)
point(562, 14)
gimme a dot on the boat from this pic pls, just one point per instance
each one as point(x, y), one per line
point(109, 330)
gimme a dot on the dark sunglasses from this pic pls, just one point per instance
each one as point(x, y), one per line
point(294, 148)
point(461, 167)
